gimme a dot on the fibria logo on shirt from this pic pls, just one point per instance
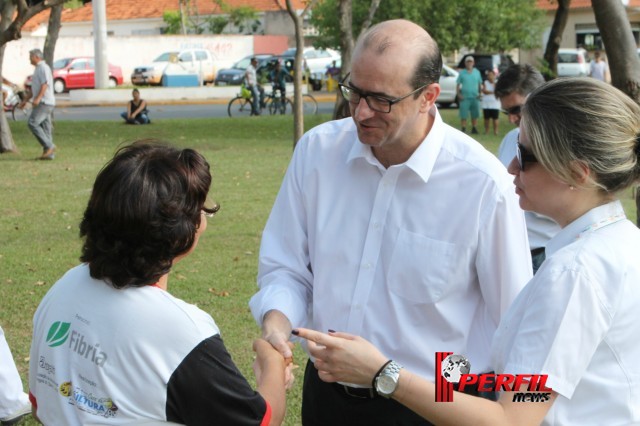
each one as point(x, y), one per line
point(59, 332)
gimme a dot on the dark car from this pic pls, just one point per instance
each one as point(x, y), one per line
point(488, 61)
point(233, 76)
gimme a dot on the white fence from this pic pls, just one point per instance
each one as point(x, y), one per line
point(129, 52)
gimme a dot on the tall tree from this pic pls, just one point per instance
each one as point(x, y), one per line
point(53, 30)
point(13, 15)
point(341, 108)
point(615, 29)
point(478, 25)
point(298, 22)
point(550, 69)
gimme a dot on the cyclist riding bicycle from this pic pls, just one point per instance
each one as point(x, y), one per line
point(278, 83)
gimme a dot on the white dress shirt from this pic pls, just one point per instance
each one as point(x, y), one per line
point(577, 321)
point(540, 228)
point(413, 257)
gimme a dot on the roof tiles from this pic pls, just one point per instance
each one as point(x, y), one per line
point(127, 9)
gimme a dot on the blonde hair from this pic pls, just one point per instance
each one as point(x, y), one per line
point(583, 120)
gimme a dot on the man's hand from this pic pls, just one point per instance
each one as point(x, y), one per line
point(36, 102)
point(276, 329)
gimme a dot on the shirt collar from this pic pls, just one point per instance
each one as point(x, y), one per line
point(424, 157)
point(572, 231)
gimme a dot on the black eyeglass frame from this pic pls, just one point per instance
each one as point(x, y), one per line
point(366, 96)
point(514, 110)
point(524, 156)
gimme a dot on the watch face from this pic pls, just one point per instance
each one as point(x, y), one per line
point(386, 385)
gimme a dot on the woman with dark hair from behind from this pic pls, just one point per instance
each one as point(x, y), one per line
point(110, 344)
point(576, 321)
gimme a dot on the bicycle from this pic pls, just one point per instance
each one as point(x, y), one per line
point(309, 104)
point(241, 105)
point(12, 105)
point(276, 104)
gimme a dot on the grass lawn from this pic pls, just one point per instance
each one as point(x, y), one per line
point(42, 204)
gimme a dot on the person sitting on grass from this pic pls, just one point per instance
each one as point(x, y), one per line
point(110, 344)
point(136, 112)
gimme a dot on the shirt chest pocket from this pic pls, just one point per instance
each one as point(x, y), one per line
point(422, 269)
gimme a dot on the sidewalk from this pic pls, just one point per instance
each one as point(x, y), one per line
point(166, 96)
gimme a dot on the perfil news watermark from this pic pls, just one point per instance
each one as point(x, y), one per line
point(452, 373)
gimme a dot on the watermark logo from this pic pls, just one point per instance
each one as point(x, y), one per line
point(58, 333)
point(452, 373)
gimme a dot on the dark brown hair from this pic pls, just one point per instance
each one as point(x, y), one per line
point(144, 211)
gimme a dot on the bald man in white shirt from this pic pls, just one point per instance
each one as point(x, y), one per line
point(391, 225)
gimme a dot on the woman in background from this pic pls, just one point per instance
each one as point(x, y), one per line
point(136, 112)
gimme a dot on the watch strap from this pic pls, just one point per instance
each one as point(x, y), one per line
point(375, 377)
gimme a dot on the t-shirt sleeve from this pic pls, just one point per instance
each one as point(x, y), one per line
point(208, 388)
point(564, 323)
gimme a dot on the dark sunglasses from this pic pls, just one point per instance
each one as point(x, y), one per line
point(524, 156)
point(514, 110)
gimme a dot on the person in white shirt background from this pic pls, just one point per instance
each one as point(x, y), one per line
point(576, 320)
point(393, 225)
point(490, 105)
point(598, 67)
point(515, 83)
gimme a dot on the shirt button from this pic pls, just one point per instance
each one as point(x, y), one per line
point(367, 265)
point(376, 225)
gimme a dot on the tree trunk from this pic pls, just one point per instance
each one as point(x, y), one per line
point(298, 114)
point(622, 56)
point(612, 21)
point(183, 16)
point(341, 108)
point(6, 138)
point(555, 38)
point(53, 30)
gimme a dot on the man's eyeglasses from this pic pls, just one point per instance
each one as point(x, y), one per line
point(524, 156)
point(375, 102)
point(514, 110)
point(210, 208)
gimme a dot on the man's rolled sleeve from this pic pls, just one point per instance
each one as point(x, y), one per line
point(284, 272)
point(504, 259)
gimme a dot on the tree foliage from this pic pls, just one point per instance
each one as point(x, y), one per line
point(496, 25)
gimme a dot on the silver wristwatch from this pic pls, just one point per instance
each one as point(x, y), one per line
point(386, 381)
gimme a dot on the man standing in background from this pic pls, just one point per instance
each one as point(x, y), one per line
point(469, 87)
point(44, 102)
point(512, 88)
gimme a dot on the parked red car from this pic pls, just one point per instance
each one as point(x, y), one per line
point(78, 73)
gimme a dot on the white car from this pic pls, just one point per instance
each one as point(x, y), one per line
point(572, 63)
point(447, 87)
point(317, 61)
point(197, 61)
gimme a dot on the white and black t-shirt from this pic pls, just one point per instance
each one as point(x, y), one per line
point(109, 356)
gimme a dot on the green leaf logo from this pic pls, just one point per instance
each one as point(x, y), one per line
point(58, 333)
